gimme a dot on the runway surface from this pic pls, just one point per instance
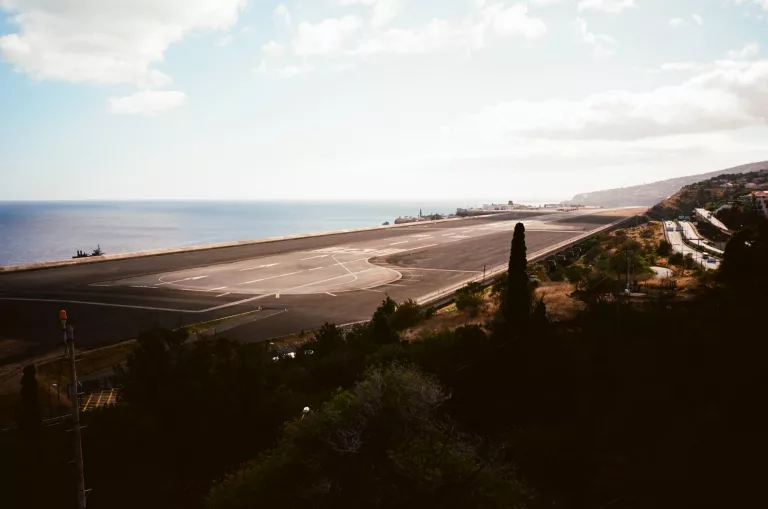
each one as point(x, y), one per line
point(338, 278)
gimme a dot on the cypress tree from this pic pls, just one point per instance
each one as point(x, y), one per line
point(517, 305)
point(30, 407)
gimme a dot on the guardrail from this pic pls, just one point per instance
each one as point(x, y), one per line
point(446, 293)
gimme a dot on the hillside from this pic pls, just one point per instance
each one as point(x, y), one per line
point(655, 192)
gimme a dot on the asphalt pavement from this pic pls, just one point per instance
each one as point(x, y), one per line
point(339, 278)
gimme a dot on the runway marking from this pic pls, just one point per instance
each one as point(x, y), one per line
point(139, 286)
point(97, 284)
point(332, 295)
point(449, 234)
point(179, 280)
point(421, 236)
point(267, 278)
point(326, 280)
point(223, 294)
point(313, 257)
point(214, 289)
point(442, 270)
point(403, 242)
point(316, 268)
point(369, 290)
point(392, 284)
point(259, 267)
point(423, 247)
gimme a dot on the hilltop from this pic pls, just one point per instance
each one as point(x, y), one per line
point(655, 192)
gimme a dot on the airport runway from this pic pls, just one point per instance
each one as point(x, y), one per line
point(339, 278)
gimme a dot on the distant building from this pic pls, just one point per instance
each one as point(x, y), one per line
point(761, 202)
point(751, 185)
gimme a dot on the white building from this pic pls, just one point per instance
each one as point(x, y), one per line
point(761, 202)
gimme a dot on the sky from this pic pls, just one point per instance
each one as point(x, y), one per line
point(374, 99)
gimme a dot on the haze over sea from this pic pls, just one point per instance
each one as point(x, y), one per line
point(48, 231)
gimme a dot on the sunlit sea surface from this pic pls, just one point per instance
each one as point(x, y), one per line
point(48, 231)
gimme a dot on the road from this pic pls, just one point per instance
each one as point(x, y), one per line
point(298, 283)
point(708, 216)
point(692, 235)
point(679, 246)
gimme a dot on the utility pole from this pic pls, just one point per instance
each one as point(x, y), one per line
point(627, 255)
point(69, 338)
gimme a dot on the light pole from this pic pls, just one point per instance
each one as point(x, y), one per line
point(58, 400)
point(69, 338)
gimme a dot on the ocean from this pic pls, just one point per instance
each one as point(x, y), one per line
point(49, 231)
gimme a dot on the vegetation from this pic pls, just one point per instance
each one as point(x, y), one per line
point(625, 406)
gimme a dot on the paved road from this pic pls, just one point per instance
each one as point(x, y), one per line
point(708, 216)
point(679, 246)
point(340, 278)
point(692, 235)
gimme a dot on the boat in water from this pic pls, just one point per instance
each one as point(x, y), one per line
point(83, 254)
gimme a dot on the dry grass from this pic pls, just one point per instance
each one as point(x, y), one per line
point(90, 361)
point(561, 307)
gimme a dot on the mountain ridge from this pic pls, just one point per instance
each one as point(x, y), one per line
point(655, 192)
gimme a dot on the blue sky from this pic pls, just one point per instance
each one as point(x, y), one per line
point(374, 99)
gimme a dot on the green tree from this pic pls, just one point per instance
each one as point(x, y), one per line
point(30, 405)
point(382, 444)
point(517, 306)
point(578, 275)
point(664, 249)
point(326, 340)
point(469, 298)
point(407, 315)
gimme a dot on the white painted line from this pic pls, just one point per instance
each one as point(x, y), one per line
point(442, 270)
point(332, 295)
point(97, 284)
point(139, 286)
point(179, 280)
point(422, 247)
point(260, 267)
point(313, 257)
point(267, 278)
point(316, 268)
point(215, 289)
point(392, 284)
point(369, 290)
point(449, 234)
point(403, 242)
point(223, 294)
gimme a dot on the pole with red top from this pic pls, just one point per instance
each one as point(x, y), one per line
point(69, 341)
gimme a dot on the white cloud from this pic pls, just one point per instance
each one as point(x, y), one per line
point(698, 19)
point(225, 40)
point(545, 2)
point(272, 49)
point(728, 96)
point(383, 12)
point(760, 3)
point(282, 13)
point(611, 6)
point(682, 66)
point(602, 45)
point(494, 21)
point(327, 37)
point(105, 41)
point(290, 71)
point(677, 23)
point(748, 51)
point(148, 102)
point(286, 71)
